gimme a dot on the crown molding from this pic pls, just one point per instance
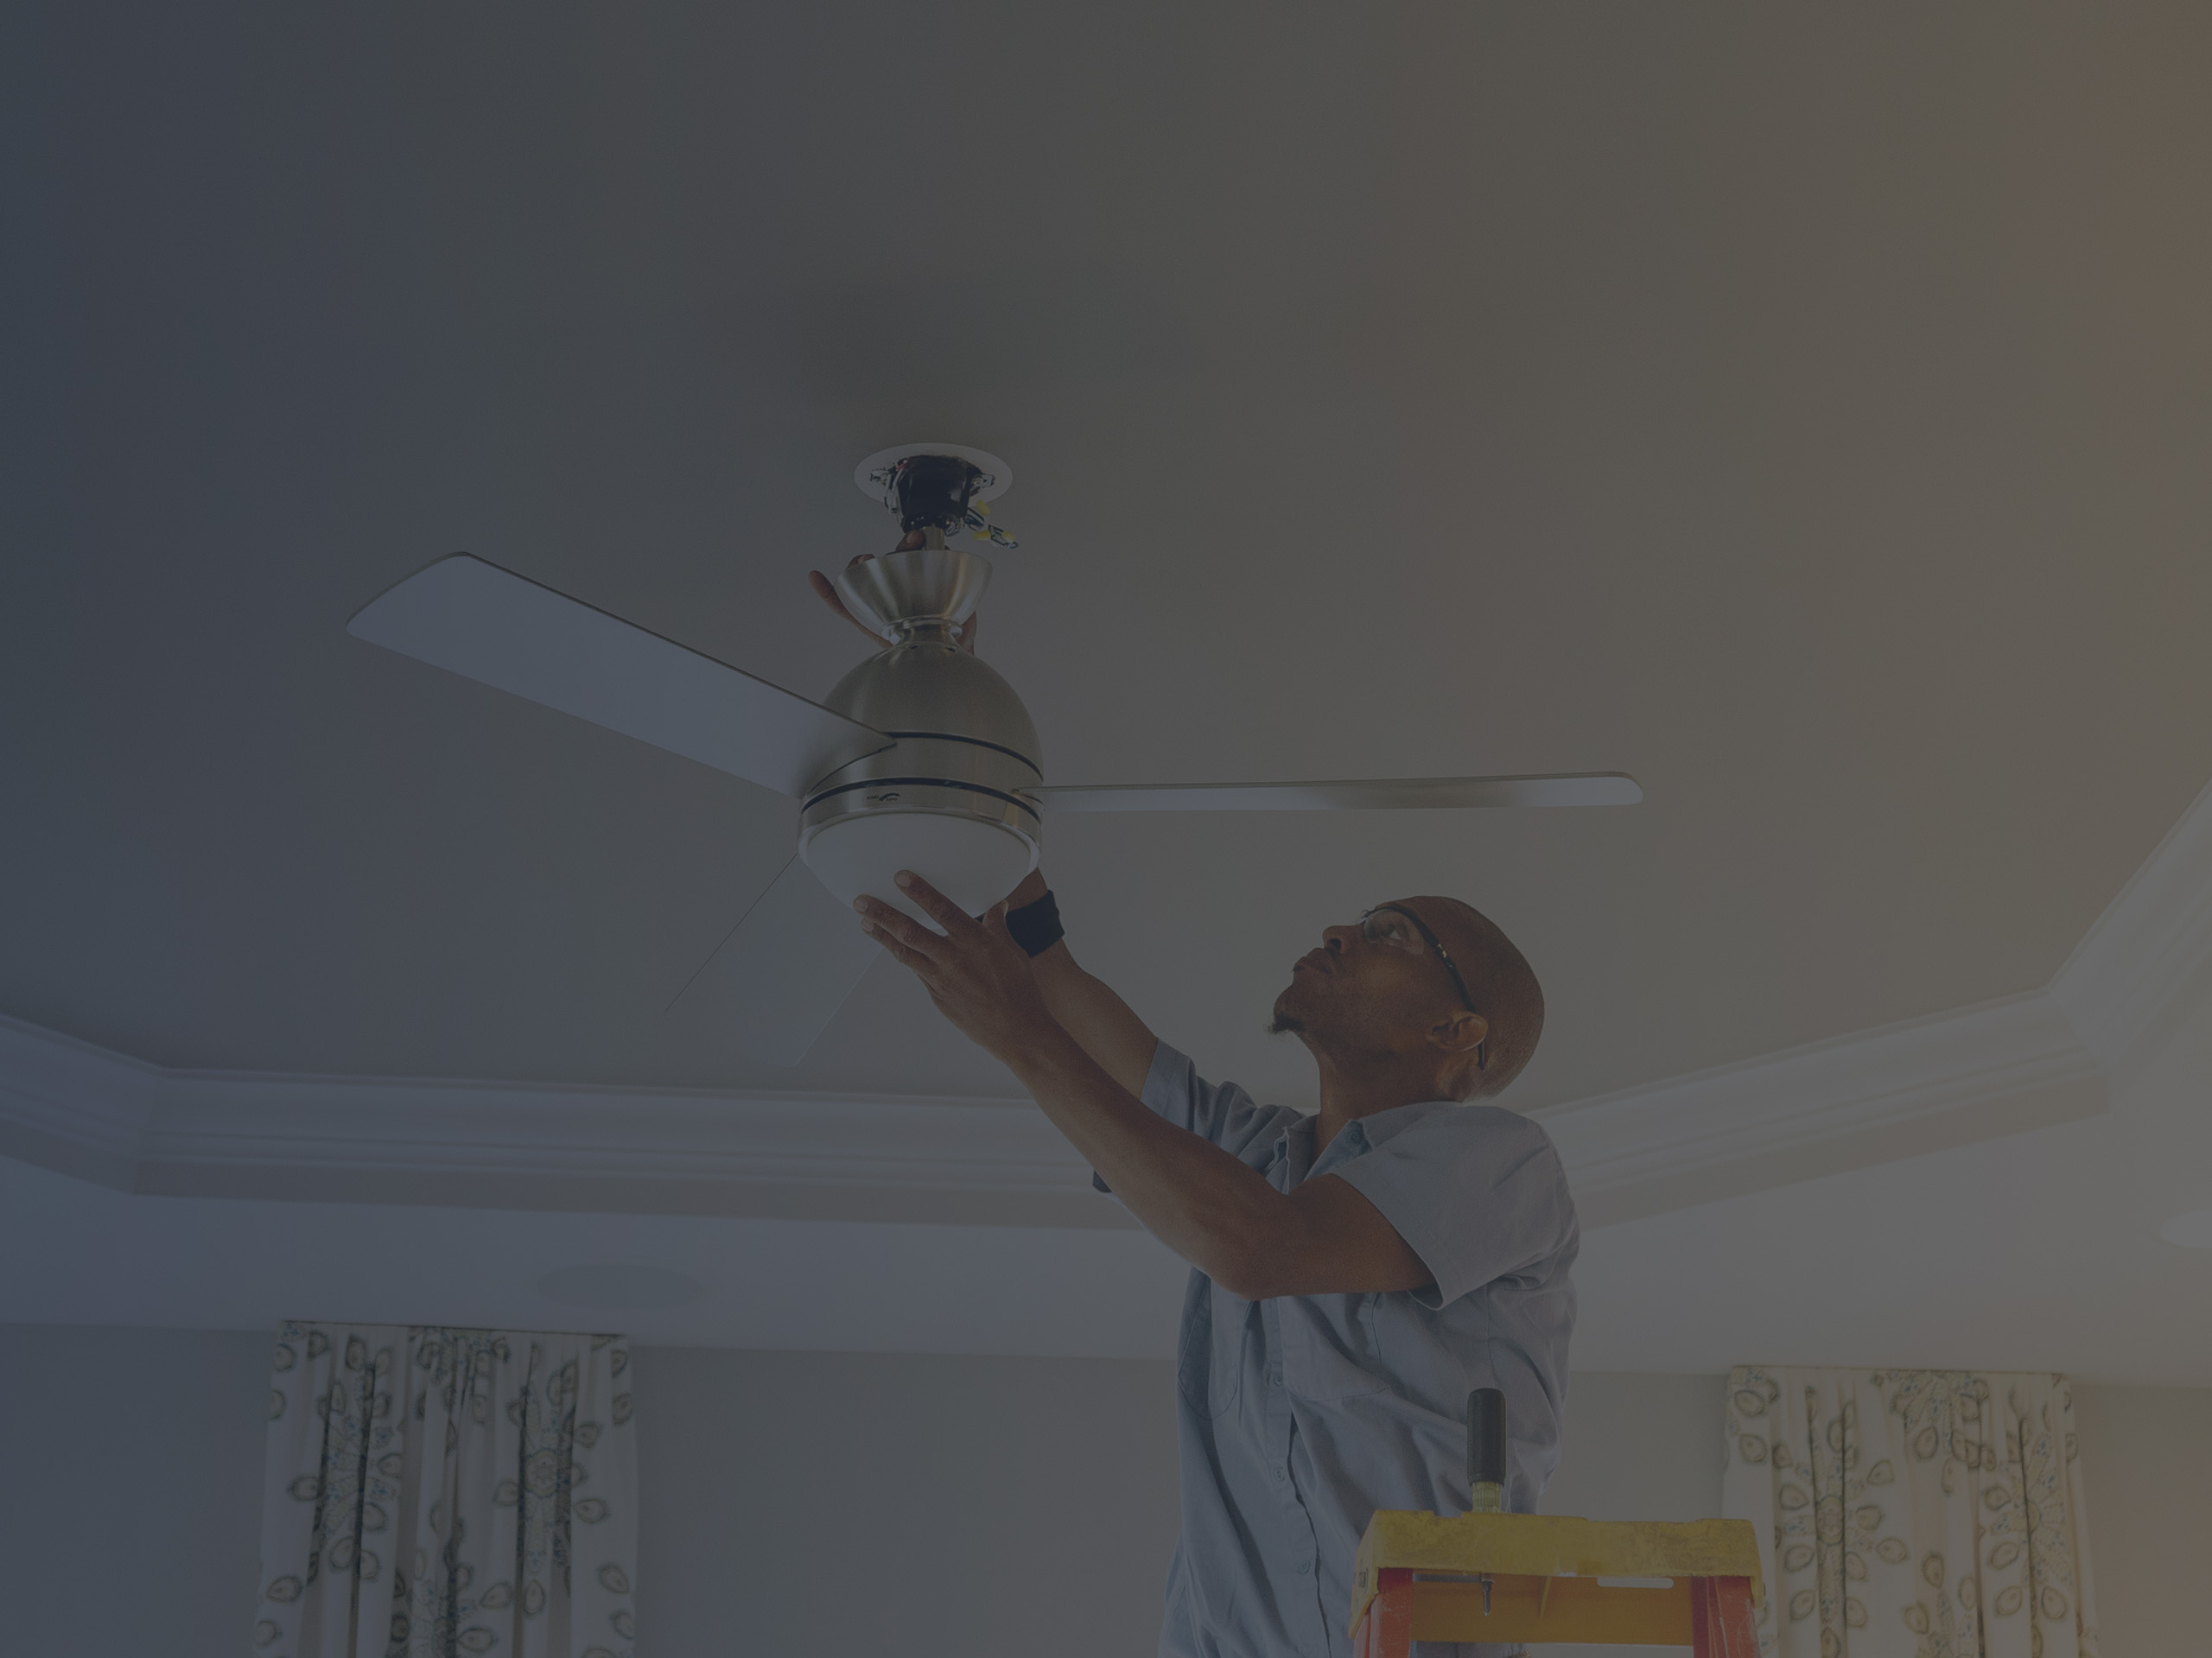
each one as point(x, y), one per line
point(1924, 1085)
point(79, 1109)
point(1875, 1096)
point(103, 1116)
point(2148, 959)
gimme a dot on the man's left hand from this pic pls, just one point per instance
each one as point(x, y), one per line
point(976, 974)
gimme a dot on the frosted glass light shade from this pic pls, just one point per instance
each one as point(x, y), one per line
point(973, 862)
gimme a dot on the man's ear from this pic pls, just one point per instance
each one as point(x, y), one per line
point(1461, 1033)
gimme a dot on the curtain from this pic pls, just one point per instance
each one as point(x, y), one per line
point(1918, 1513)
point(433, 1493)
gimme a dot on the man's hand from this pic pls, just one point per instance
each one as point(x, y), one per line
point(1224, 1218)
point(975, 972)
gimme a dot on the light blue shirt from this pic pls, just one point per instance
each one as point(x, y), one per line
point(1299, 1416)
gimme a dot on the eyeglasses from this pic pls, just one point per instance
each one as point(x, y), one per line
point(1386, 925)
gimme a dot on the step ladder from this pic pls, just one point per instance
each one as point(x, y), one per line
point(1487, 1575)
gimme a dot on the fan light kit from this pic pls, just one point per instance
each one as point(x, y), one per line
point(952, 797)
point(922, 758)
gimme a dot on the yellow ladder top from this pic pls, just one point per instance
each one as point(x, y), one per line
point(1524, 1546)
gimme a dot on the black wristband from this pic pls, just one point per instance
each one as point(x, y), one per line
point(1036, 927)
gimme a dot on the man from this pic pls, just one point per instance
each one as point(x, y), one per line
point(1356, 1274)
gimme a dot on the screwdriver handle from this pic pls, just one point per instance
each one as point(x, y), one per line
point(1486, 1450)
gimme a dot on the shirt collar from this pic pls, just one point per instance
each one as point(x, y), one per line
point(1360, 1134)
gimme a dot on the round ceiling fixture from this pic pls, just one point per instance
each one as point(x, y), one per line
point(2191, 1231)
point(950, 797)
point(874, 475)
point(616, 1287)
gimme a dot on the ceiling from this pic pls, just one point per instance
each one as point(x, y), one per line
point(1804, 412)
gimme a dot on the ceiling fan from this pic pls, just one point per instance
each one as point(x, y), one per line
point(921, 757)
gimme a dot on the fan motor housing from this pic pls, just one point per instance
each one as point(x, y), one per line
point(948, 799)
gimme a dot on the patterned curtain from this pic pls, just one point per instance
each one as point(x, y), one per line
point(437, 1493)
point(1912, 1513)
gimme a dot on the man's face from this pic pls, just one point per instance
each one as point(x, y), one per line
point(1373, 983)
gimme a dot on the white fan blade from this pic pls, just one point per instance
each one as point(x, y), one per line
point(780, 978)
point(489, 625)
point(1391, 794)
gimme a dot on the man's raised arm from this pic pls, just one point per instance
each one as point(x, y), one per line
point(1103, 1026)
point(1196, 1198)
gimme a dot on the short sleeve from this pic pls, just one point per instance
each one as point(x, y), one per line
point(1477, 1193)
point(1221, 1113)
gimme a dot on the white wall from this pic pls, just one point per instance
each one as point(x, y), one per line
point(1637, 1447)
point(790, 1503)
point(1640, 1447)
point(988, 1507)
point(2147, 1455)
point(1010, 1506)
point(930, 1507)
point(130, 1490)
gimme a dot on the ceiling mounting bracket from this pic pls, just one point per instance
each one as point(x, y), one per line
point(945, 487)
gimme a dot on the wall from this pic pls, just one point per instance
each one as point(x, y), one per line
point(1637, 1447)
point(792, 1502)
point(1647, 1447)
point(931, 1507)
point(2147, 1455)
point(130, 1490)
point(1640, 1447)
point(1059, 1472)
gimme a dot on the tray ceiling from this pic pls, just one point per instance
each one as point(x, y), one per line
point(1803, 413)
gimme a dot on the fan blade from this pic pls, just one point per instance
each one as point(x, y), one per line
point(491, 625)
point(1391, 794)
point(780, 976)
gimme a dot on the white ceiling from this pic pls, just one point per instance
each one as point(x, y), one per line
point(1803, 412)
